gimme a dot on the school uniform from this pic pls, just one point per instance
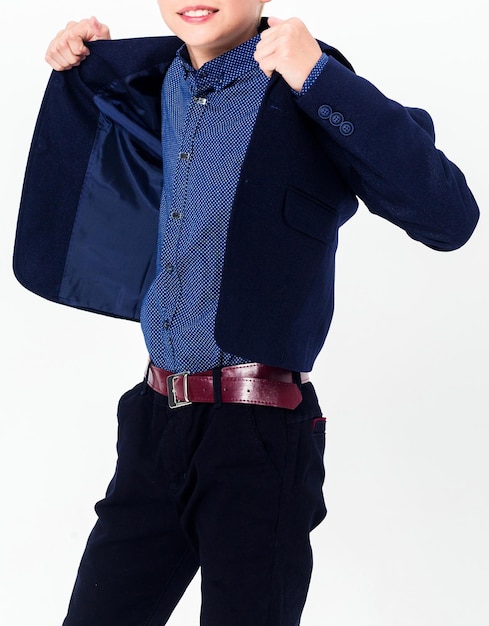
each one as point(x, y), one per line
point(220, 447)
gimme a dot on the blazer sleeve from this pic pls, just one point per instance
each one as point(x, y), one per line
point(388, 156)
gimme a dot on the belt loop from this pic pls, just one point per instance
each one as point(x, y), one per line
point(216, 383)
point(297, 379)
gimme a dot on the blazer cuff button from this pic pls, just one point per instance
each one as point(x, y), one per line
point(346, 129)
point(325, 111)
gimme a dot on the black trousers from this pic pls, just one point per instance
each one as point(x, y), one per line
point(234, 489)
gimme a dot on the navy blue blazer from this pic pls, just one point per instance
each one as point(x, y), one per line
point(87, 229)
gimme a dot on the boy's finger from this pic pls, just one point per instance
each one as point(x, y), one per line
point(274, 21)
point(99, 30)
point(76, 46)
point(61, 61)
point(68, 48)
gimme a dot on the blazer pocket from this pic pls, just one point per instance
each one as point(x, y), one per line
point(310, 216)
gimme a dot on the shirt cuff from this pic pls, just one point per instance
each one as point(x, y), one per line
point(315, 72)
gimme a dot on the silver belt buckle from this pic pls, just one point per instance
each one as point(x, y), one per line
point(173, 402)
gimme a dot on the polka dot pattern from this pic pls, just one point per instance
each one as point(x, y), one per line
point(208, 117)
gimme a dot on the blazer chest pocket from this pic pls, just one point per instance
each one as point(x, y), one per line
point(310, 216)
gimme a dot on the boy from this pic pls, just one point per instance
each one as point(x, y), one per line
point(268, 137)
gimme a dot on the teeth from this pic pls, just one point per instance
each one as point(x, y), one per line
point(198, 13)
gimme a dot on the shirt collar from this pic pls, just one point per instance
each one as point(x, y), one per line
point(221, 71)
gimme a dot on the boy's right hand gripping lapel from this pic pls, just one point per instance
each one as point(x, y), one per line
point(68, 48)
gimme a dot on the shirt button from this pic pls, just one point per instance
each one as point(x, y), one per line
point(169, 268)
point(185, 156)
point(166, 325)
point(176, 215)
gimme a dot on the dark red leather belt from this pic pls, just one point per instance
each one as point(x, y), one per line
point(251, 383)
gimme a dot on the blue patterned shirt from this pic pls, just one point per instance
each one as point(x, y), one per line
point(208, 117)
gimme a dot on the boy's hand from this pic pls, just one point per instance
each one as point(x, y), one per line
point(68, 48)
point(289, 48)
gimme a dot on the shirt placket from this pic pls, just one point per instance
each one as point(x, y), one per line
point(171, 259)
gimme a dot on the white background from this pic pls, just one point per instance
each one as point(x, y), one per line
point(403, 377)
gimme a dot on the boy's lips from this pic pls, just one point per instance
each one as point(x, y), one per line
point(197, 13)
